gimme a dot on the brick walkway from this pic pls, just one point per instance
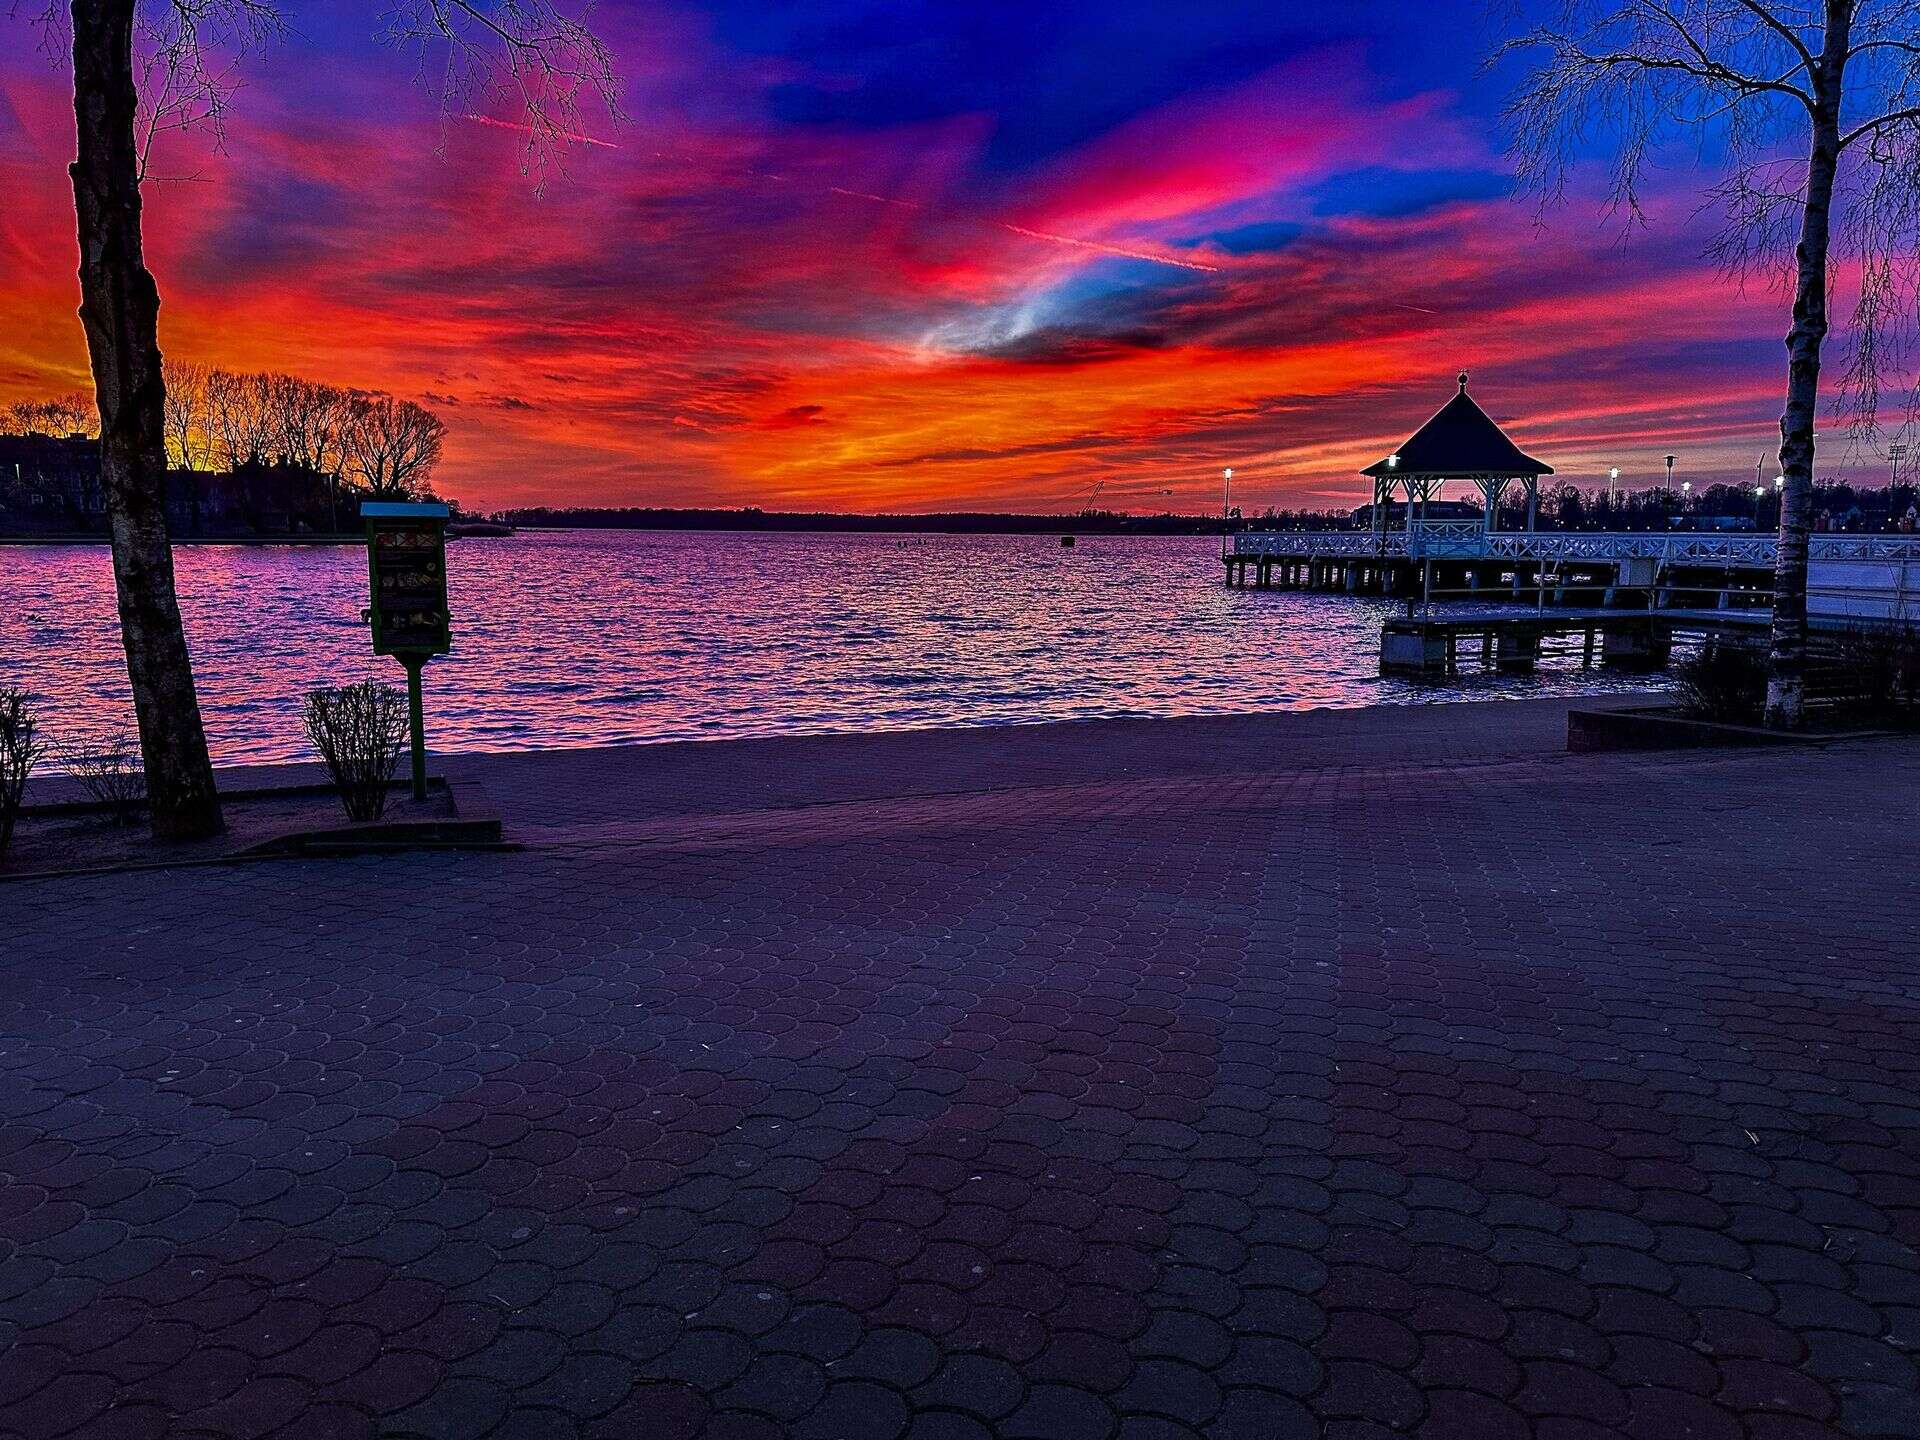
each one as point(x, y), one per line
point(1277, 1077)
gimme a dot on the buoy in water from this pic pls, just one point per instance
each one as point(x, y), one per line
point(1066, 542)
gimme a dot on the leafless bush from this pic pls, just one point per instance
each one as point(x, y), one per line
point(111, 773)
point(20, 747)
point(359, 731)
point(1723, 682)
point(1873, 672)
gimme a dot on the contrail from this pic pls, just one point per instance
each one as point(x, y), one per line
point(1106, 249)
point(529, 130)
point(864, 195)
point(1098, 247)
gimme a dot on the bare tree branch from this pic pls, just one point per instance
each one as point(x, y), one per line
point(1720, 75)
point(1904, 47)
point(1880, 122)
point(189, 54)
point(525, 53)
point(1719, 70)
point(186, 411)
point(1780, 27)
point(393, 446)
point(1827, 196)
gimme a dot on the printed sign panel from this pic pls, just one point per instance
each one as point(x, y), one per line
point(407, 570)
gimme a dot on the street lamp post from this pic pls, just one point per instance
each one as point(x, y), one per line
point(1226, 515)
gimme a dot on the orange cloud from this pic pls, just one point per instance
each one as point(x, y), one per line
point(726, 309)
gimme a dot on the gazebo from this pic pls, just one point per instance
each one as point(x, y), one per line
point(1460, 442)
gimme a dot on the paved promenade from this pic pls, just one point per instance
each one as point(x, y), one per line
point(1387, 1073)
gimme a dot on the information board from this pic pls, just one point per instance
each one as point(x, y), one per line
point(407, 574)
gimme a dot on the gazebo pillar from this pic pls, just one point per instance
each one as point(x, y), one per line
point(1419, 490)
point(1532, 482)
point(1491, 490)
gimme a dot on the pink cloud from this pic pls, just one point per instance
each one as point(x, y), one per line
point(726, 310)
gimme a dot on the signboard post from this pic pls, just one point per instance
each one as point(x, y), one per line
point(407, 580)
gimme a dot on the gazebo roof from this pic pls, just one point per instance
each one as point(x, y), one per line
point(1460, 442)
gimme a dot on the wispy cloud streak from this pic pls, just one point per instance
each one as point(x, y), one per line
point(819, 270)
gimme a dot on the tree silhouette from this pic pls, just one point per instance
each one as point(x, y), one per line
point(62, 415)
point(393, 445)
point(1814, 112)
point(185, 411)
point(142, 68)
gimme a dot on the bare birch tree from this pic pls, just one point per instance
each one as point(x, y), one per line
point(142, 68)
point(1811, 111)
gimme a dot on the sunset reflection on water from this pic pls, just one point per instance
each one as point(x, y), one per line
point(594, 638)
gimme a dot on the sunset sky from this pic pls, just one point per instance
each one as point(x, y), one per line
point(884, 255)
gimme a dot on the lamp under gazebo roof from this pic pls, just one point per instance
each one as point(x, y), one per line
point(1460, 442)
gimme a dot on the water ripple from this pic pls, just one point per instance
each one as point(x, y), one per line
point(592, 638)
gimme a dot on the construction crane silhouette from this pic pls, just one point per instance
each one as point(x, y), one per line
point(1098, 488)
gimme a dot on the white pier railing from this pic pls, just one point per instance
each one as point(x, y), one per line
point(1319, 544)
point(1849, 577)
point(1465, 540)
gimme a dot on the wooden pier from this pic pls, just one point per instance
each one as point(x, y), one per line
point(1870, 577)
point(1431, 647)
point(1620, 600)
point(1624, 596)
point(1449, 561)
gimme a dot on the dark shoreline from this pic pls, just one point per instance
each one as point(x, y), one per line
point(348, 539)
point(949, 522)
point(1058, 527)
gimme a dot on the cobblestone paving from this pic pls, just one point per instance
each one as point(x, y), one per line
point(1526, 1096)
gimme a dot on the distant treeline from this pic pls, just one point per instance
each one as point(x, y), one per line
point(1837, 506)
point(1095, 522)
point(228, 421)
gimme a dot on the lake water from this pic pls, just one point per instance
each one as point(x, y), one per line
point(593, 638)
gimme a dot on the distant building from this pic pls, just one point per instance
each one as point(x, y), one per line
point(51, 485)
point(256, 499)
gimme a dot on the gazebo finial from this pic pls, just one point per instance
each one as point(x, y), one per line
point(1463, 382)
